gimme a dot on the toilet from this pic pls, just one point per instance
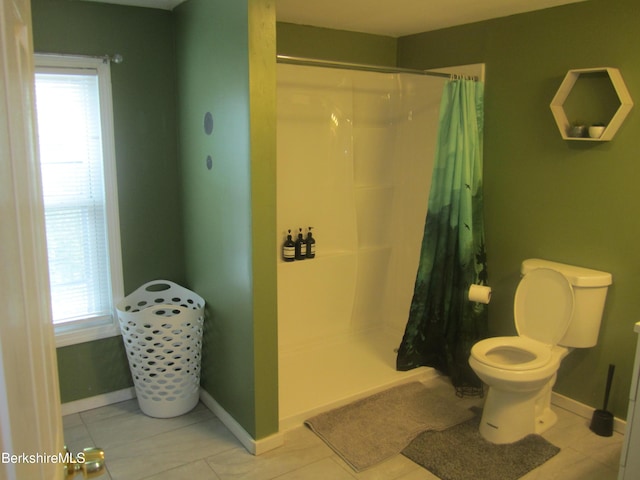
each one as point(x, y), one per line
point(557, 307)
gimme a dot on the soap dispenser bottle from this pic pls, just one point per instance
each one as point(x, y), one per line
point(311, 244)
point(289, 249)
point(300, 247)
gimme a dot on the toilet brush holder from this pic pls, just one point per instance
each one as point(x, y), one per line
point(602, 420)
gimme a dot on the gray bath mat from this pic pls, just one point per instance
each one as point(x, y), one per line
point(460, 453)
point(375, 428)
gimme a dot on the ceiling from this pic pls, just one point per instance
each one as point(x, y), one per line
point(393, 18)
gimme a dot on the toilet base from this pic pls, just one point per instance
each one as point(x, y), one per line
point(510, 416)
point(545, 421)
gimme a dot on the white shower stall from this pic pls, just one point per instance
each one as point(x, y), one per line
point(355, 156)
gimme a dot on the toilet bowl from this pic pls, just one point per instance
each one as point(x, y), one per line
point(521, 370)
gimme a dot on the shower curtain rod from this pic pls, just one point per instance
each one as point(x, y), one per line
point(312, 62)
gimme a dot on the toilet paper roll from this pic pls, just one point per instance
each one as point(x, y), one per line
point(479, 293)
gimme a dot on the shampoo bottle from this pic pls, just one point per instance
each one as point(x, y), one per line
point(300, 247)
point(311, 244)
point(289, 249)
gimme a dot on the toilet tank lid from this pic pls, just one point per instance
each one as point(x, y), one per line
point(578, 276)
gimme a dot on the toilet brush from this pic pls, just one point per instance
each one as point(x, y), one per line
point(602, 420)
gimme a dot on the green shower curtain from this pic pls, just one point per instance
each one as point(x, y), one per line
point(443, 324)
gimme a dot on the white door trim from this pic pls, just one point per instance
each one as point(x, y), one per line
point(30, 418)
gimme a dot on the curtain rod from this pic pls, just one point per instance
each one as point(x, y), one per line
point(312, 62)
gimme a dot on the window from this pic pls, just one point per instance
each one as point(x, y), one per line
point(77, 164)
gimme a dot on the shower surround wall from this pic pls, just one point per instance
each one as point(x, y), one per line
point(355, 155)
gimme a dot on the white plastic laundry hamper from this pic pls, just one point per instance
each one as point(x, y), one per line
point(161, 324)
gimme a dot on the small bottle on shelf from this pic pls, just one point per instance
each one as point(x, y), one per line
point(289, 249)
point(300, 247)
point(311, 244)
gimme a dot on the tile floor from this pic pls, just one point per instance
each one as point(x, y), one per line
point(197, 446)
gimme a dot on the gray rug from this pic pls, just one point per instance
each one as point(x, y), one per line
point(375, 428)
point(460, 453)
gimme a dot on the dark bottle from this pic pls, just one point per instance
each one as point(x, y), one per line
point(311, 244)
point(289, 249)
point(301, 248)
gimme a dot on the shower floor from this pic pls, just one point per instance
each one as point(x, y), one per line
point(317, 377)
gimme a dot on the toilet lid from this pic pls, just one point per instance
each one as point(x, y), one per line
point(543, 305)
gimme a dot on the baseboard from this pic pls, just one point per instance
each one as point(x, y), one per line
point(583, 410)
point(255, 447)
point(98, 401)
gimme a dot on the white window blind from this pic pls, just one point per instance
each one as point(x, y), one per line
point(76, 195)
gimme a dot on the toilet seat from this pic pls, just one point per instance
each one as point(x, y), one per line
point(543, 309)
point(512, 353)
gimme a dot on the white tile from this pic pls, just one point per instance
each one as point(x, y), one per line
point(570, 464)
point(110, 411)
point(198, 470)
point(321, 470)
point(396, 467)
point(104, 476)
point(568, 430)
point(77, 438)
point(72, 420)
point(605, 450)
point(133, 426)
point(301, 448)
point(572, 431)
point(137, 459)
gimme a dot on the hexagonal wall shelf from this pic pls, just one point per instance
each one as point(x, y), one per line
point(558, 110)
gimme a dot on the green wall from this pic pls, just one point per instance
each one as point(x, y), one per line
point(573, 202)
point(92, 368)
point(337, 45)
point(144, 97)
point(226, 253)
point(226, 67)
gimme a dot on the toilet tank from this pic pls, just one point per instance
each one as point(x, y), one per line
point(589, 290)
